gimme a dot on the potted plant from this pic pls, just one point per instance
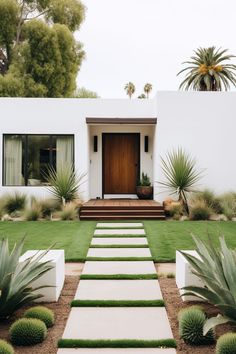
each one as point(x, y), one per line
point(144, 188)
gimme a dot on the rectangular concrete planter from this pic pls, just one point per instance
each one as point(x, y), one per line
point(184, 275)
point(54, 277)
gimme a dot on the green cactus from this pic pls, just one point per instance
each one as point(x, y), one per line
point(5, 348)
point(41, 313)
point(226, 344)
point(28, 331)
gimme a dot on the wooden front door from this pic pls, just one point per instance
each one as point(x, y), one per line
point(120, 163)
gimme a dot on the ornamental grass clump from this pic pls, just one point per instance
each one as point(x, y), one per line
point(5, 348)
point(210, 199)
point(226, 344)
point(200, 211)
point(41, 313)
point(14, 202)
point(228, 204)
point(191, 322)
point(68, 212)
point(28, 331)
point(16, 278)
point(216, 269)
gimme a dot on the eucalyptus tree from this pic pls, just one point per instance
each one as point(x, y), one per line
point(39, 55)
point(209, 69)
point(130, 89)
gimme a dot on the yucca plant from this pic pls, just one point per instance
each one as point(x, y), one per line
point(64, 183)
point(181, 174)
point(216, 269)
point(207, 70)
point(16, 278)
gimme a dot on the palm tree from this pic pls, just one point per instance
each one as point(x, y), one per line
point(181, 175)
point(130, 89)
point(147, 89)
point(207, 71)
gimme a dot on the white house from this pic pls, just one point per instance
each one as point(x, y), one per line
point(114, 140)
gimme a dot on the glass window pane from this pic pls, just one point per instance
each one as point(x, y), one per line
point(13, 160)
point(65, 150)
point(38, 159)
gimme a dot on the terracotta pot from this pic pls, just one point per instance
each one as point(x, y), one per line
point(144, 192)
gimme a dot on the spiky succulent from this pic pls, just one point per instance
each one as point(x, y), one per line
point(5, 348)
point(41, 313)
point(226, 344)
point(216, 269)
point(16, 278)
point(28, 331)
point(207, 70)
point(191, 322)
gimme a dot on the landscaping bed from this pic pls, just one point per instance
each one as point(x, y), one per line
point(61, 310)
point(174, 304)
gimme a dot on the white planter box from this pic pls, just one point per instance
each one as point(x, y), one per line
point(54, 277)
point(184, 275)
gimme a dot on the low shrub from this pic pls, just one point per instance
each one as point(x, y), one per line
point(48, 206)
point(226, 344)
point(175, 209)
point(191, 322)
point(68, 212)
point(33, 214)
point(5, 348)
point(200, 211)
point(41, 313)
point(211, 200)
point(28, 331)
point(14, 202)
point(228, 204)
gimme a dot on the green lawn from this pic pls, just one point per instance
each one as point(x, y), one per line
point(74, 237)
point(165, 237)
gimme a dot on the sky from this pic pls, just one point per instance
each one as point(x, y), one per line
point(147, 40)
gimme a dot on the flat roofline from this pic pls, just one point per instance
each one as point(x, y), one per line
point(95, 120)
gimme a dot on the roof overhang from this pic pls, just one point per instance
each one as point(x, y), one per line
point(136, 121)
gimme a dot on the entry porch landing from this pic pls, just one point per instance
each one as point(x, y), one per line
point(122, 209)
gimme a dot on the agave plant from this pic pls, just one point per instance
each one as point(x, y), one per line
point(216, 269)
point(181, 174)
point(207, 71)
point(16, 278)
point(64, 183)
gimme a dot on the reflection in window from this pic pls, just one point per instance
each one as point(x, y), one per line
point(27, 157)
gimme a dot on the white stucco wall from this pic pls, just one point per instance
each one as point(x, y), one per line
point(65, 116)
point(204, 124)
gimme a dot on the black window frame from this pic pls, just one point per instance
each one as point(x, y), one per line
point(25, 142)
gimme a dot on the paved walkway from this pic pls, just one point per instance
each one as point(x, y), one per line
point(118, 301)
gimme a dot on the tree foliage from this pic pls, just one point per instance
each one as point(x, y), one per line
point(82, 92)
point(207, 70)
point(130, 89)
point(39, 56)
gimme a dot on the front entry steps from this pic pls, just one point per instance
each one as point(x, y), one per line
point(118, 307)
point(122, 210)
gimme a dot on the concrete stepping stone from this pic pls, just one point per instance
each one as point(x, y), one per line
point(117, 351)
point(119, 232)
point(118, 252)
point(118, 290)
point(119, 241)
point(149, 323)
point(119, 267)
point(118, 225)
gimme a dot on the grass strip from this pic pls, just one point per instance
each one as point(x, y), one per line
point(126, 259)
point(117, 235)
point(116, 343)
point(119, 276)
point(117, 303)
point(119, 246)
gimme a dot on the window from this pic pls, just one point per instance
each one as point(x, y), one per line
point(27, 157)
